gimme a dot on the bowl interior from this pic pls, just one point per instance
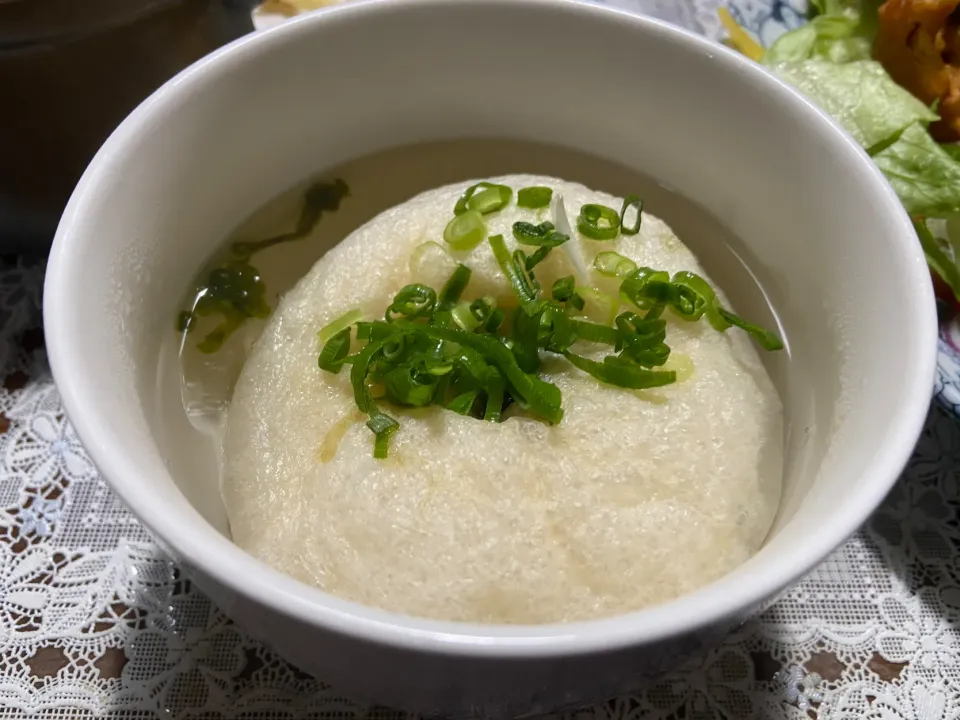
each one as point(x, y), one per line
point(822, 230)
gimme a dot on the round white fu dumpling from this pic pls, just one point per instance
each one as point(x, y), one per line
point(633, 499)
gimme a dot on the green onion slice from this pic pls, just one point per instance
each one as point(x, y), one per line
point(526, 340)
point(381, 424)
point(622, 373)
point(465, 231)
point(598, 306)
point(522, 282)
point(598, 222)
point(564, 289)
point(413, 301)
point(495, 389)
point(557, 332)
point(596, 333)
point(534, 197)
point(454, 287)
point(645, 287)
point(613, 264)
point(344, 321)
point(544, 234)
point(405, 386)
point(427, 260)
point(483, 311)
point(630, 202)
point(495, 320)
point(533, 260)
point(334, 351)
point(707, 303)
point(462, 404)
point(537, 396)
point(767, 339)
point(464, 318)
point(483, 197)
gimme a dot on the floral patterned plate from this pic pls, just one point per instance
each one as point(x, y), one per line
point(767, 20)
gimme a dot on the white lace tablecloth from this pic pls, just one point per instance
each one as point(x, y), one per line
point(95, 621)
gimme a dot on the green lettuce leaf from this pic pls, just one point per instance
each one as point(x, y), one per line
point(840, 31)
point(925, 176)
point(832, 7)
point(829, 40)
point(829, 61)
point(860, 95)
point(951, 149)
point(938, 260)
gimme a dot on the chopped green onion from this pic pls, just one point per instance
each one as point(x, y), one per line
point(642, 340)
point(381, 424)
point(543, 234)
point(598, 222)
point(383, 427)
point(596, 333)
point(334, 351)
point(464, 317)
point(539, 397)
point(645, 287)
point(465, 231)
point(454, 287)
point(344, 321)
point(625, 374)
point(405, 386)
point(495, 388)
point(629, 202)
point(526, 340)
point(428, 260)
point(533, 260)
point(462, 404)
point(767, 339)
point(564, 289)
point(473, 358)
point(413, 301)
point(598, 306)
point(483, 310)
point(640, 332)
point(394, 347)
point(613, 264)
point(495, 320)
point(490, 198)
point(557, 333)
point(706, 304)
point(534, 197)
point(520, 279)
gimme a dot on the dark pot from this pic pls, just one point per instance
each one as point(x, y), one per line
point(70, 71)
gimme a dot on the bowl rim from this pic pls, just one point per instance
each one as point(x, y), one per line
point(196, 541)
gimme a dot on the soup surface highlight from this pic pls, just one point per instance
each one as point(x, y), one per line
point(633, 498)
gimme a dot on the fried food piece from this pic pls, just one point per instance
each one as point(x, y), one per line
point(918, 42)
point(290, 8)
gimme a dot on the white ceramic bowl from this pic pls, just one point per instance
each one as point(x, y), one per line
point(231, 132)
